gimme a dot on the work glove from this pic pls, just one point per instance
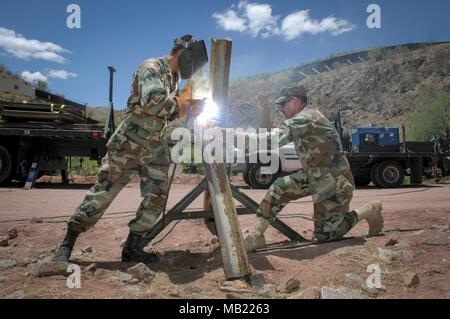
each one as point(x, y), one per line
point(193, 107)
point(187, 104)
point(196, 107)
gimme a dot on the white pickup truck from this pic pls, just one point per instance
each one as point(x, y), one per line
point(253, 175)
point(383, 168)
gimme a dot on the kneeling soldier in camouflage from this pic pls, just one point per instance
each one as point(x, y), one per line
point(325, 175)
point(136, 148)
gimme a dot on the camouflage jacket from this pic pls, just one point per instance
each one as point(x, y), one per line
point(319, 148)
point(150, 105)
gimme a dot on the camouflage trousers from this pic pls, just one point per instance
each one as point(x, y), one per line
point(332, 220)
point(117, 170)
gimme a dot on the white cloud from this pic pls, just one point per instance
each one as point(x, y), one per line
point(230, 21)
point(61, 74)
point(22, 48)
point(32, 77)
point(299, 22)
point(257, 20)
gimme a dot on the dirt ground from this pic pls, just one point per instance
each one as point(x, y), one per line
point(190, 264)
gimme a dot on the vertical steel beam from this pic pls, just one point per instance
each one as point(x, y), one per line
point(234, 256)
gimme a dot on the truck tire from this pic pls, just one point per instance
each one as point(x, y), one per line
point(5, 165)
point(416, 170)
point(257, 179)
point(245, 175)
point(389, 174)
point(374, 175)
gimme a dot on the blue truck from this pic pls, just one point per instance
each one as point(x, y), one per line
point(375, 154)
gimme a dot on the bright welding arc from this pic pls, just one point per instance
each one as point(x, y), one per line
point(210, 112)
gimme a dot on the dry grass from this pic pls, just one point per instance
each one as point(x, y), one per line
point(391, 271)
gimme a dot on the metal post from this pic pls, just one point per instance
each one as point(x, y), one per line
point(234, 256)
point(110, 125)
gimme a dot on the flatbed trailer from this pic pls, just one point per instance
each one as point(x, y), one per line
point(46, 146)
point(388, 169)
point(37, 139)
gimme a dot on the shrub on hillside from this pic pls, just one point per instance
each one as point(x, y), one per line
point(431, 117)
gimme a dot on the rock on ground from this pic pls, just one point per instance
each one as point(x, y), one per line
point(141, 272)
point(309, 293)
point(389, 255)
point(411, 280)
point(434, 241)
point(257, 280)
point(87, 249)
point(391, 242)
point(4, 241)
point(48, 269)
point(354, 279)
point(339, 293)
point(125, 277)
point(91, 267)
point(238, 284)
point(372, 292)
point(289, 285)
point(268, 289)
point(12, 233)
point(5, 263)
point(214, 240)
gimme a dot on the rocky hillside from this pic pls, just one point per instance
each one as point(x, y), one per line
point(382, 90)
point(99, 114)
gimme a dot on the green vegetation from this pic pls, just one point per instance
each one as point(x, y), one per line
point(378, 54)
point(82, 166)
point(382, 53)
point(431, 117)
point(4, 70)
point(41, 85)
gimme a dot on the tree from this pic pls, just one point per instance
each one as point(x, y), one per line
point(431, 117)
point(41, 85)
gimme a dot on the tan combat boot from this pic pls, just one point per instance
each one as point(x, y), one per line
point(371, 212)
point(256, 238)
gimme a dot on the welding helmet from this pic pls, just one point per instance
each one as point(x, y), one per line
point(193, 58)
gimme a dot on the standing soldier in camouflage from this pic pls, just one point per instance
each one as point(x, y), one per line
point(136, 148)
point(325, 175)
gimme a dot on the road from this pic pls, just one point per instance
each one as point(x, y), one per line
point(190, 261)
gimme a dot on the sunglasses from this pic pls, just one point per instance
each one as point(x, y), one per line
point(281, 106)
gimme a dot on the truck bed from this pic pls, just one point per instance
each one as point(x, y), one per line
point(90, 131)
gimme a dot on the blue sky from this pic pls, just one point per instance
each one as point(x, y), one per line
point(268, 36)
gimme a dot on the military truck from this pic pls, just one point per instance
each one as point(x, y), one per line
point(375, 155)
point(37, 138)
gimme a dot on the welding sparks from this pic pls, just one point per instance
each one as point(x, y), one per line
point(210, 112)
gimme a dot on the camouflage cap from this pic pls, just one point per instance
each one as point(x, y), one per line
point(290, 91)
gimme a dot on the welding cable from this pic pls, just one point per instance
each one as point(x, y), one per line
point(166, 234)
point(362, 196)
point(200, 208)
point(311, 243)
point(173, 173)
